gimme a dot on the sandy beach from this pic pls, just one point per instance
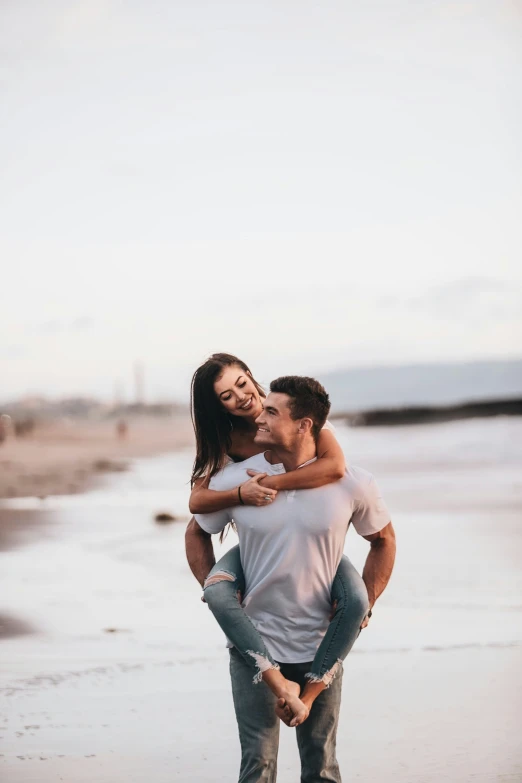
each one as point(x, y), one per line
point(445, 717)
point(114, 669)
point(65, 457)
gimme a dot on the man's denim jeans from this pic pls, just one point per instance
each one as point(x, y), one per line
point(259, 726)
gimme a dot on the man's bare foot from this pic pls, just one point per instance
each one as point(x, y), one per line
point(289, 708)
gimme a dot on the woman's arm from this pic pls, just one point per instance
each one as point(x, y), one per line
point(204, 500)
point(329, 466)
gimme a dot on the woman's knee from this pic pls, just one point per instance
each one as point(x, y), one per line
point(359, 603)
point(220, 588)
point(349, 591)
point(353, 603)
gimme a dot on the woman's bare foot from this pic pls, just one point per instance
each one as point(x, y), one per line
point(290, 708)
point(310, 692)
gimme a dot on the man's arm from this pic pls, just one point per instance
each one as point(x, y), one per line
point(379, 563)
point(199, 550)
point(329, 466)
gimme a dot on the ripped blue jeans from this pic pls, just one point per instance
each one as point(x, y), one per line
point(349, 597)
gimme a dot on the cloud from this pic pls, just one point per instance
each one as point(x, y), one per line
point(123, 169)
point(13, 351)
point(75, 21)
point(82, 323)
point(49, 327)
point(470, 295)
point(55, 326)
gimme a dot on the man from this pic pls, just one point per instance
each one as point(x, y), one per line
point(290, 551)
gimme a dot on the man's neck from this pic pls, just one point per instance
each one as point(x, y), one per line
point(294, 457)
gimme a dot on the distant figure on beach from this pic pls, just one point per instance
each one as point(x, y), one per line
point(289, 601)
point(121, 429)
point(23, 427)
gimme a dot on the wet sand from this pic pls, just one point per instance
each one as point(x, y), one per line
point(19, 527)
point(122, 672)
point(22, 527)
point(62, 458)
point(11, 627)
point(407, 717)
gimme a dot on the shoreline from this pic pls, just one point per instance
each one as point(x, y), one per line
point(19, 527)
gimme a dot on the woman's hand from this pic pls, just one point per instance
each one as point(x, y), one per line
point(366, 620)
point(252, 494)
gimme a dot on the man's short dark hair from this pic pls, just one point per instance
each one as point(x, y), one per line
point(308, 399)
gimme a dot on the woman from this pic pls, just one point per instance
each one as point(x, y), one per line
point(226, 400)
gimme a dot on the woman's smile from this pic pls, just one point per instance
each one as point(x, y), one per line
point(237, 392)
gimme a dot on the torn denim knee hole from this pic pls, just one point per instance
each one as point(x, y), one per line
point(263, 665)
point(219, 576)
point(328, 677)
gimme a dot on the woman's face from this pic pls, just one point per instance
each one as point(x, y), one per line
point(236, 391)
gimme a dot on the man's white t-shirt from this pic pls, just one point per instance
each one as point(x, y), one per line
point(291, 549)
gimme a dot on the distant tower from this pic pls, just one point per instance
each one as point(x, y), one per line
point(139, 383)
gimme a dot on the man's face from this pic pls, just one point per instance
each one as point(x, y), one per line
point(275, 427)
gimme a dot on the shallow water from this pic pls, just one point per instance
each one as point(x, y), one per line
point(454, 493)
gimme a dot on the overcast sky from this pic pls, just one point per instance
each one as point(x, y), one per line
point(308, 185)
